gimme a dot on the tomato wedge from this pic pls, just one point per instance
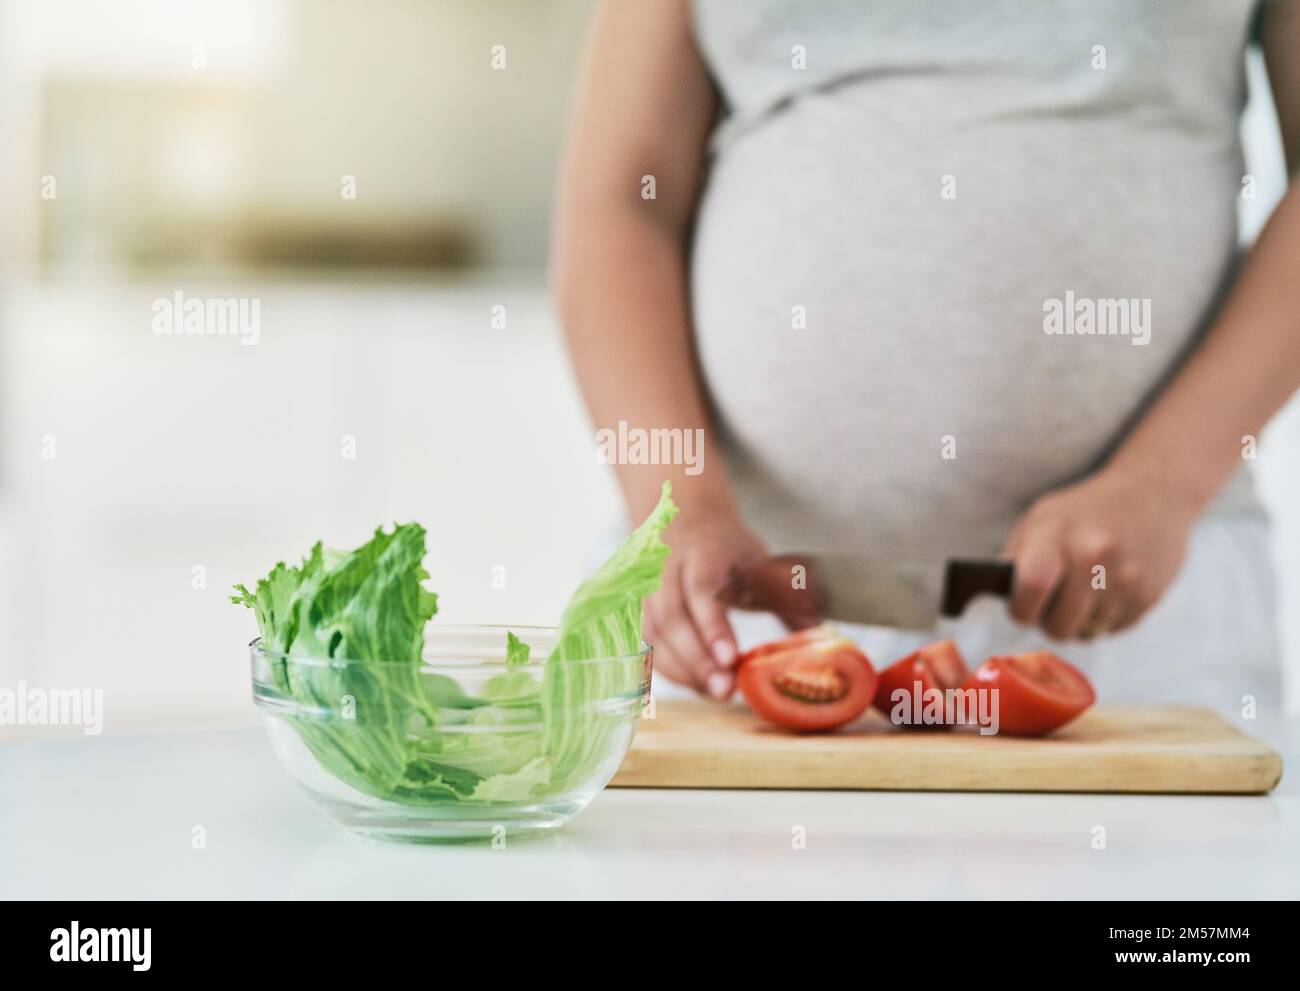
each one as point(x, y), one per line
point(811, 680)
point(936, 667)
point(1037, 691)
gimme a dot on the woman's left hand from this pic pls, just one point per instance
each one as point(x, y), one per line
point(1093, 557)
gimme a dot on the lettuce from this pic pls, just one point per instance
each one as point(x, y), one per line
point(369, 604)
point(421, 738)
point(516, 650)
point(602, 620)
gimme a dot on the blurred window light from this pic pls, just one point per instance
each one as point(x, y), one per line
point(224, 38)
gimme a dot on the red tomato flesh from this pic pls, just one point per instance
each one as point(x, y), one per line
point(809, 681)
point(1037, 691)
point(937, 667)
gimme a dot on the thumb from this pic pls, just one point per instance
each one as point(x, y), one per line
point(1039, 568)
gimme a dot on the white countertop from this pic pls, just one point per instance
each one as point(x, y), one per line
point(113, 817)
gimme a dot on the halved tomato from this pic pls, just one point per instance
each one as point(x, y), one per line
point(936, 667)
point(808, 681)
point(1037, 691)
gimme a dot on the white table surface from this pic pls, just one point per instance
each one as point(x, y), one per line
point(113, 817)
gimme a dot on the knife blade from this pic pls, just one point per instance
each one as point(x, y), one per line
point(907, 592)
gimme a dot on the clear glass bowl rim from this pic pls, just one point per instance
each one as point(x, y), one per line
point(448, 632)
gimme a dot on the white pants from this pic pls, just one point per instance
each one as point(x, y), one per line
point(1211, 640)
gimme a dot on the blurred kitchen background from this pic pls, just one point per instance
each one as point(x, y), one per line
point(409, 365)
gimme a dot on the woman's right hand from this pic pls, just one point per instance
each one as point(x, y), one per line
point(685, 620)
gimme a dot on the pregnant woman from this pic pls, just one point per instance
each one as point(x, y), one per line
point(946, 279)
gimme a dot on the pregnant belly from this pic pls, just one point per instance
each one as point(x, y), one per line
point(875, 350)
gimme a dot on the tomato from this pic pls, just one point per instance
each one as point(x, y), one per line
point(1037, 691)
point(808, 681)
point(786, 643)
point(937, 667)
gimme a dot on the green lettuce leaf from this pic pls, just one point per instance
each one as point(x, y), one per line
point(532, 778)
point(365, 605)
point(516, 650)
point(421, 738)
point(602, 620)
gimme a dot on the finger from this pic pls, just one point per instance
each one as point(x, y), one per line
point(666, 662)
point(1093, 558)
point(709, 615)
point(1128, 616)
point(1107, 609)
point(665, 659)
point(675, 629)
point(1039, 568)
point(667, 665)
point(1071, 606)
point(1127, 583)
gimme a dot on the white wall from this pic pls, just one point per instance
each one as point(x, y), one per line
point(180, 452)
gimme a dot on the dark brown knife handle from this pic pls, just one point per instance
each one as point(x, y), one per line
point(964, 579)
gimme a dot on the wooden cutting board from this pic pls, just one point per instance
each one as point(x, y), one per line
point(1109, 749)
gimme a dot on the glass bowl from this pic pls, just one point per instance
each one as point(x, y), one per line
point(460, 746)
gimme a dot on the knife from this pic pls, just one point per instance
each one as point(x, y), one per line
point(908, 593)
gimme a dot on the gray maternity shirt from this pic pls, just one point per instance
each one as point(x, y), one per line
point(883, 227)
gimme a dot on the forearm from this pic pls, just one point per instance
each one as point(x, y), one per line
point(623, 299)
point(1241, 374)
point(644, 111)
